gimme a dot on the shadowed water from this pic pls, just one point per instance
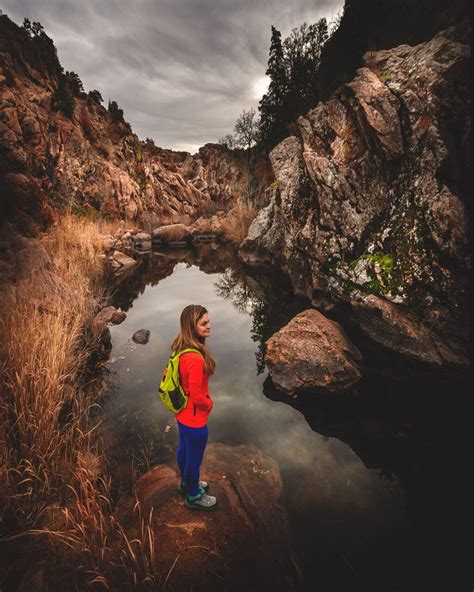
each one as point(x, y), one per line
point(350, 527)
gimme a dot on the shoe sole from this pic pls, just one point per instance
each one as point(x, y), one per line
point(206, 489)
point(189, 507)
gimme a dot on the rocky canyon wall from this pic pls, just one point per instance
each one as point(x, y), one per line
point(371, 201)
point(49, 161)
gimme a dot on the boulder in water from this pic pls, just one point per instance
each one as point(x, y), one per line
point(122, 262)
point(312, 353)
point(172, 234)
point(118, 317)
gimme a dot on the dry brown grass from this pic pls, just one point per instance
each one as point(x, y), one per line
point(236, 224)
point(52, 476)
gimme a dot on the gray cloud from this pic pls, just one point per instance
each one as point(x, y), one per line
point(182, 70)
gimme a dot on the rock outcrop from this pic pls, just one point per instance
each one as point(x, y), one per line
point(373, 194)
point(367, 25)
point(312, 353)
point(241, 545)
point(386, 324)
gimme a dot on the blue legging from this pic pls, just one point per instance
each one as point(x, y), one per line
point(192, 443)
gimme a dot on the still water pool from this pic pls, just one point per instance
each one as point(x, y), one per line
point(350, 527)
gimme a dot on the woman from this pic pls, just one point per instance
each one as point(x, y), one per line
point(195, 370)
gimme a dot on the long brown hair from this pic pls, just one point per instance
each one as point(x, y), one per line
point(188, 336)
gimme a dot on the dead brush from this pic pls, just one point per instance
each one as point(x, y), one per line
point(138, 555)
point(43, 355)
point(50, 483)
point(86, 529)
point(95, 546)
point(236, 224)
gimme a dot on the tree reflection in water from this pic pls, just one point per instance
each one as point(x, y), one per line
point(267, 299)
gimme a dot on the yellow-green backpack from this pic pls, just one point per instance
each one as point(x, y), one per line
point(171, 391)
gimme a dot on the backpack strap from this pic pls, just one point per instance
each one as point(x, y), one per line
point(185, 351)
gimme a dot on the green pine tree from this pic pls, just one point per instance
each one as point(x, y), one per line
point(96, 96)
point(272, 103)
point(74, 83)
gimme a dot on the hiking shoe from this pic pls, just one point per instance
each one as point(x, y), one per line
point(203, 487)
point(201, 502)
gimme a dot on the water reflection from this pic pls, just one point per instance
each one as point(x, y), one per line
point(339, 464)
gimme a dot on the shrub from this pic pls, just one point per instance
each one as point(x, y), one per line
point(63, 98)
point(235, 225)
point(87, 212)
point(96, 96)
point(74, 83)
point(116, 114)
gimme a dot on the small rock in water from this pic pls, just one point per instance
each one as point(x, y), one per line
point(142, 237)
point(142, 336)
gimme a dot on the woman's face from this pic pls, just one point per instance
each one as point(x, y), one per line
point(203, 326)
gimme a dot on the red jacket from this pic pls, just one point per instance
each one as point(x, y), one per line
point(195, 382)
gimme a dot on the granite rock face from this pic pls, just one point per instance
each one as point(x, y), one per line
point(373, 193)
point(312, 353)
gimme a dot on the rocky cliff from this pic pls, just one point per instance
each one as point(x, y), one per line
point(370, 25)
point(49, 160)
point(371, 201)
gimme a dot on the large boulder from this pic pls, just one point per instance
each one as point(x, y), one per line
point(32, 259)
point(172, 234)
point(207, 229)
point(243, 544)
point(312, 353)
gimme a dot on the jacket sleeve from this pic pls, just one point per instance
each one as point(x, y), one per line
point(194, 367)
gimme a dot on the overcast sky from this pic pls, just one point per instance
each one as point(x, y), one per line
point(182, 70)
